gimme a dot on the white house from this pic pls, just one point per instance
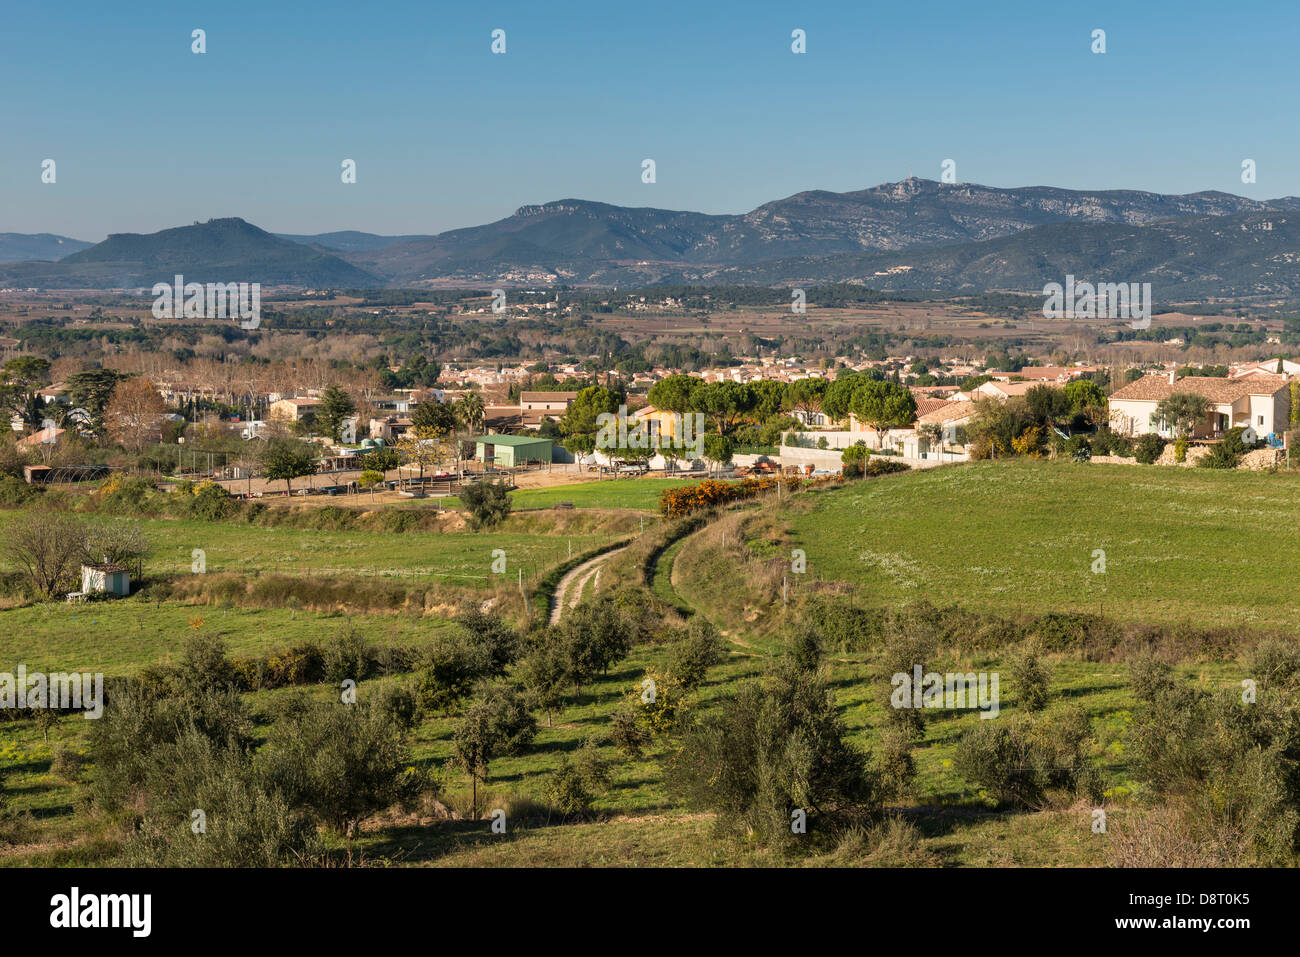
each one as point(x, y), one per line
point(1260, 400)
point(554, 402)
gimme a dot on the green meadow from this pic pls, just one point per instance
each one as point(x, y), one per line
point(1192, 545)
point(456, 557)
point(1181, 545)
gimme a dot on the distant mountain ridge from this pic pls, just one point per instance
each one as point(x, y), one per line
point(914, 234)
point(19, 247)
point(574, 240)
point(1243, 255)
point(347, 240)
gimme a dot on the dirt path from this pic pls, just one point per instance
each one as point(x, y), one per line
point(578, 577)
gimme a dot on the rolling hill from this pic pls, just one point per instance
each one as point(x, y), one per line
point(220, 250)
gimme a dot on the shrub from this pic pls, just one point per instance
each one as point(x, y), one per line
point(778, 744)
point(1030, 678)
point(1223, 455)
point(897, 769)
point(676, 502)
point(1148, 448)
point(803, 646)
point(453, 664)
point(658, 703)
point(245, 822)
point(570, 787)
point(211, 502)
point(566, 791)
point(342, 762)
point(488, 503)
point(689, 657)
point(14, 491)
point(1078, 448)
point(1106, 442)
point(301, 664)
point(396, 521)
point(626, 734)
point(66, 764)
point(873, 467)
point(1231, 763)
point(345, 657)
point(857, 452)
point(1275, 663)
point(1020, 759)
point(844, 627)
point(1071, 631)
point(909, 640)
point(398, 702)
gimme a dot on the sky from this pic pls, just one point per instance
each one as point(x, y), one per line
point(146, 134)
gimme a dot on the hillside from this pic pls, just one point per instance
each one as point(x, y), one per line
point(1246, 254)
point(220, 250)
point(575, 240)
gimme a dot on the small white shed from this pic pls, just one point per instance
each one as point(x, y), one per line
point(113, 579)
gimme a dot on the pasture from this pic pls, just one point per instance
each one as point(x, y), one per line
point(1188, 545)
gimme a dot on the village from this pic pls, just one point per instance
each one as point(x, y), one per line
point(519, 420)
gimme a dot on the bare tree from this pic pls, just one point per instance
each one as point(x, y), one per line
point(45, 546)
point(121, 543)
point(134, 414)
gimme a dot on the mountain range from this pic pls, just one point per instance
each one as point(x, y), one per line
point(912, 235)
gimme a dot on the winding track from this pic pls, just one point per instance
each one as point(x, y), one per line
point(580, 576)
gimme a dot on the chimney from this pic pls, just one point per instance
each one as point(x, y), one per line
point(1173, 376)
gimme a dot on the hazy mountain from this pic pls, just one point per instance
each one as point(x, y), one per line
point(579, 241)
point(1246, 254)
point(20, 247)
point(220, 250)
point(348, 240)
point(916, 235)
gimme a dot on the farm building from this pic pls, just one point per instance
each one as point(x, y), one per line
point(507, 451)
point(107, 577)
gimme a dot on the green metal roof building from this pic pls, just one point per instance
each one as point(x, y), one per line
point(507, 451)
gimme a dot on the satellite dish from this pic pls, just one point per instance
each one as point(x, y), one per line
point(1248, 435)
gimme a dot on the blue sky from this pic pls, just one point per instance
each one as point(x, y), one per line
point(148, 135)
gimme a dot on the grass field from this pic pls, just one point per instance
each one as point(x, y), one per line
point(120, 637)
point(1180, 545)
point(462, 558)
point(1194, 545)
